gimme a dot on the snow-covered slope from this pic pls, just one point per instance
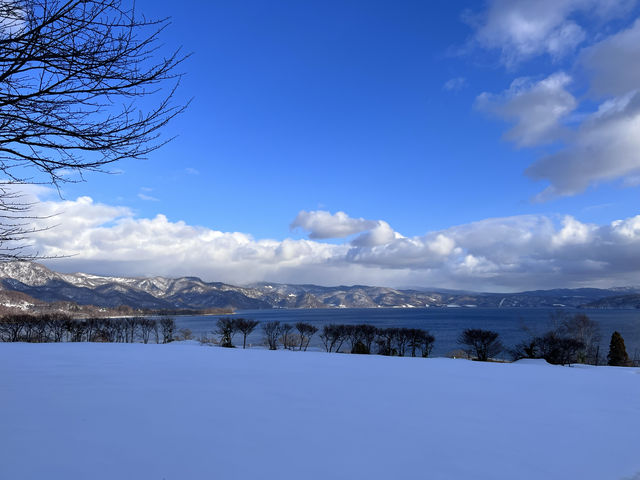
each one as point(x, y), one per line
point(182, 412)
point(138, 292)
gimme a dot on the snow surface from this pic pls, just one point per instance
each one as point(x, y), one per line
point(177, 412)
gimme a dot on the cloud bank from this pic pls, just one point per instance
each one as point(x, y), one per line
point(499, 254)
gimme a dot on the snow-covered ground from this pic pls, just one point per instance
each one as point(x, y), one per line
point(178, 412)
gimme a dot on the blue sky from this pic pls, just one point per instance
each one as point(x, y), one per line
point(425, 116)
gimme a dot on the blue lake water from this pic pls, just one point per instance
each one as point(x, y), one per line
point(445, 324)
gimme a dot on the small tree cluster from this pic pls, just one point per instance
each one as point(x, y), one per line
point(227, 327)
point(554, 348)
point(291, 337)
point(403, 341)
point(574, 339)
point(361, 338)
point(63, 328)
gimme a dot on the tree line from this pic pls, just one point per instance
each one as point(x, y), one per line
point(573, 339)
point(362, 339)
point(63, 328)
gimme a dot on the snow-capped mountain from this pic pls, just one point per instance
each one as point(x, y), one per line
point(155, 292)
point(193, 293)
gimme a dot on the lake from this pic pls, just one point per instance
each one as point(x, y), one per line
point(445, 324)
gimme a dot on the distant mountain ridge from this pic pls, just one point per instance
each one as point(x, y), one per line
point(41, 283)
point(619, 301)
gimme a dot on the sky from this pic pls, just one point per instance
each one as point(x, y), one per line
point(487, 146)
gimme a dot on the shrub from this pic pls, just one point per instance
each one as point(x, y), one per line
point(185, 334)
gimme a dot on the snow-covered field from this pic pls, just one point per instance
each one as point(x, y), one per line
point(177, 412)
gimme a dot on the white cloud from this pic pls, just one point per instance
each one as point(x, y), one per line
point(523, 29)
point(536, 108)
point(572, 233)
point(605, 147)
point(380, 234)
point(321, 224)
point(507, 254)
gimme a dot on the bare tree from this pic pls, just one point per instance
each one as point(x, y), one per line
point(333, 336)
point(168, 328)
point(306, 331)
point(131, 328)
point(352, 334)
point(420, 341)
point(386, 341)
point(76, 330)
point(91, 328)
point(30, 328)
point(106, 331)
point(271, 333)
point(74, 75)
point(427, 344)
point(147, 326)
point(11, 327)
point(119, 331)
point(368, 335)
point(586, 331)
point(361, 337)
point(558, 349)
point(56, 326)
point(403, 337)
point(483, 344)
point(225, 329)
point(245, 326)
point(285, 330)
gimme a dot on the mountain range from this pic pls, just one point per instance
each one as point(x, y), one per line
point(40, 283)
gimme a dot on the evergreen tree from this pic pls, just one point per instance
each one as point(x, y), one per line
point(617, 352)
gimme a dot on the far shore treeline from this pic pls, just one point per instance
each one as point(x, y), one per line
point(576, 339)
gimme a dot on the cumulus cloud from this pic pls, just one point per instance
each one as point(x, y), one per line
point(506, 254)
point(536, 108)
point(380, 234)
point(606, 146)
point(321, 224)
point(522, 29)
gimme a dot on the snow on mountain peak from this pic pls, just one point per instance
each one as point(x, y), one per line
point(29, 273)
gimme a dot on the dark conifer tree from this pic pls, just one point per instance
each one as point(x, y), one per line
point(617, 352)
